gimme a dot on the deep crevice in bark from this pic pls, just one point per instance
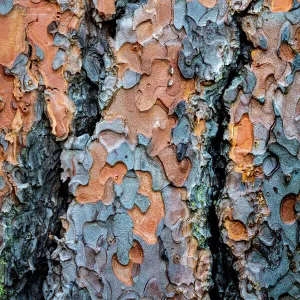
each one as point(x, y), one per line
point(224, 276)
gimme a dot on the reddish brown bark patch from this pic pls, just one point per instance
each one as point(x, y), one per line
point(126, 273)
point(12, 36)
point(242, 142)
point(281, 5)
point(208, 3)
point(287, 209)
point(177, 172)
point(60, 111)
point(236, 230)
point(286, 53)
point(106, 7)
point(146, 224)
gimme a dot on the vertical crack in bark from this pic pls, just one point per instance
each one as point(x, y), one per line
point(224, 275)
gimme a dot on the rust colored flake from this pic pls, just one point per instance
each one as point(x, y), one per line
point(23, 118)
point(280, 5)
point(297, 40)
point(107, 8)
point(126, 273)
point(266, 63)
point(27, 108)
point(108, 192)
point(178, 87)
point(16, 115)
point(165, 84)
point(39, 18)
point(153, 87)
point(163, 14)
point(139, 122)
point(6, 95)
point(146, 224)
point(144, 32)
point(67, 21)
point(151, 52)
point(117, 172)
point(161, 80)
point(38, 34)
point(242, 142)
point(93, 191)
point(12, 137)
point(158, 12)
point(107, 177)
point(177, 172)
point(199, 127)
point(30, 3)
point(143, 14)
point(139, 59)
point(262, 72)
point(161, 136)
point(236, 230)
point(12, 36)
point(208, 3)
point(65, 224)
point(102, 178)
point(287, 209)
point(60, 111)
point(192, 253)
point(250, 173)
point(286, 53)
point(129, 56)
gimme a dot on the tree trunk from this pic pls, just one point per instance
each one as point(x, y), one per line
point(149, 149)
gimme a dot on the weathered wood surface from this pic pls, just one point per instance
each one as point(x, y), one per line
point(149, 149)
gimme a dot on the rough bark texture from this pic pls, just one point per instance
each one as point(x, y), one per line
point(149, 149)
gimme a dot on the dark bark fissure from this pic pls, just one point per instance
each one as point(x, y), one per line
point(224, 276)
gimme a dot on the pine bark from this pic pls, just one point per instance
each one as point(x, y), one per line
point(149, 149)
